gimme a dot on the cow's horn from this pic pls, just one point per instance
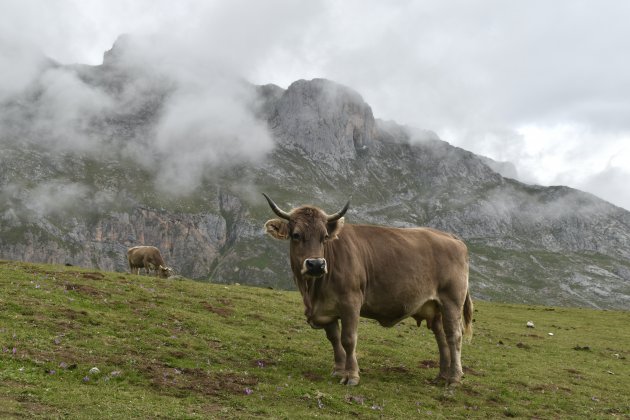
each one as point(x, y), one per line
point(339, 214)
point(276, 209)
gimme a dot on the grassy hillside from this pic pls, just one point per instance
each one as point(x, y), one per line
point(183, 349)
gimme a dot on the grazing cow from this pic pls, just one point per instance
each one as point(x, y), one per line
point(345, 271)
point(149, 258)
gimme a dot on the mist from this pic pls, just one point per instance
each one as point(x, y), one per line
point(205, 118)
point(542, 85)
point(206, 121)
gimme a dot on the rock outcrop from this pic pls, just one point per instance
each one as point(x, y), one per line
point(329, 122)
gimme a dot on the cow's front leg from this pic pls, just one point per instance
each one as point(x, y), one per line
point(349, 327)
point(333, 335)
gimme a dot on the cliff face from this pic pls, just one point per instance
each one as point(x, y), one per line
point(328, 122)
point(528, 243)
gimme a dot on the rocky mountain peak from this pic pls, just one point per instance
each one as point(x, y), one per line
point(328, 121)
point(114, 54)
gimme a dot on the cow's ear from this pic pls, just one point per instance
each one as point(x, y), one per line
point(334, 228)
point(277, 228)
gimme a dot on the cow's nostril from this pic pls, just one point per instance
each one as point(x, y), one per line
point(315, 265)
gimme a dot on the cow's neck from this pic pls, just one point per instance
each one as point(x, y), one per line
point(311, 288)
point(307, 290)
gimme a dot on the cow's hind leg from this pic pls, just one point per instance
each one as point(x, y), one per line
point(334, 336)
point(452, 323)
point(443, 347)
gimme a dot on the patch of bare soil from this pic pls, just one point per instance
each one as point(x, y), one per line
point(180, 382)
point(263, 363)
point(86, 290)
point(93, 276)
point(470, 371)
point(312, 376)
point(549, 388)
point(71, 313)
point(219, 310)
point(395, 369)
point(429, 364)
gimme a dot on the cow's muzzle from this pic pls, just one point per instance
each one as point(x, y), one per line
point(314, 267)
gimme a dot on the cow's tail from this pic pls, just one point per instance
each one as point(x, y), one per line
point(468, 318)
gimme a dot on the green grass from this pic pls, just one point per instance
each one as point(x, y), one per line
point(184, 349)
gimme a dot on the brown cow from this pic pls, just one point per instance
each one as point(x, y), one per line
point(149, 258)
point(345, 271)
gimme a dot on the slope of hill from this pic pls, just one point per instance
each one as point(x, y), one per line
point(82, 184)
point(185, 349)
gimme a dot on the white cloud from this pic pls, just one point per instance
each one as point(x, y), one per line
point(544, 84)
point(573, 155)
point(66, 109)
point(54, 196)
point(610, 184)
point(206, 126)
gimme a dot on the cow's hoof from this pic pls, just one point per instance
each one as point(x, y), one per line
point(454, 381)
point(439, 380)
point(335, 373)
point(350, 381)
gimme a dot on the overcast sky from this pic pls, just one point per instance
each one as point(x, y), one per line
point(542, 84)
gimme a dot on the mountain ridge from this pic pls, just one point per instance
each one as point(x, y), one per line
point(83, 196)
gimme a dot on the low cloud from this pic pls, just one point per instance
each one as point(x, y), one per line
point(611, 184)
point(206, 121)
point(474, 73)
point(204, 117)
point(54, 197)
point(66, 111)
point(20, 65)
point(206, 128)
point(575, 155)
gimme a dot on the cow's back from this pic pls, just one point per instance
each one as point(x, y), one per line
point(138, 256)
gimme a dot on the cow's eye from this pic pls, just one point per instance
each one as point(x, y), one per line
point(295, 236)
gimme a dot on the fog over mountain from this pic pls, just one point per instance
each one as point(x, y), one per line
point(205, 122)
point(543, 85)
